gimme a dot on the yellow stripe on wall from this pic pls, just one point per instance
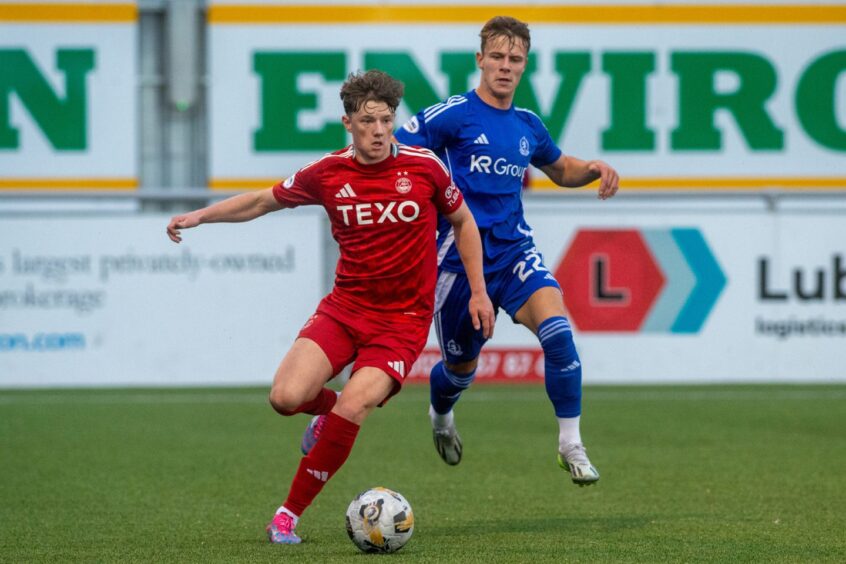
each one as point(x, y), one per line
point(698, 183)
point(68, 183)
point(743, 14)
point(717, 183)
point(69, 13)
point(242, 183)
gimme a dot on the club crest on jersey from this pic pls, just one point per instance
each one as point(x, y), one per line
point(524, 146)
point(403, 183)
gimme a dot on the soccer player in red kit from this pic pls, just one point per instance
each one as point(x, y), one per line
point(382, 200)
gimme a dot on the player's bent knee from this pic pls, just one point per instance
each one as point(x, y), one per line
point(463, 368)
point(284, 402)
point(280, 406)
point(445, 382)
point(556, 339)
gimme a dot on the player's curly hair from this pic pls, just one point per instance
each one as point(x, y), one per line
point(374, 85)
point(505, 26)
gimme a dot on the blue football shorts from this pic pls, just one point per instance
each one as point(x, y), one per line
point(509, 288)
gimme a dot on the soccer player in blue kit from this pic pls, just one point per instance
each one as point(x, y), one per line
point(488, 143)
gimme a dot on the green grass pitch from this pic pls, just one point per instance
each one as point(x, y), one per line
point(689, 474)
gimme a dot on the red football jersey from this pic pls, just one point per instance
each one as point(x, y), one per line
point(384, 217)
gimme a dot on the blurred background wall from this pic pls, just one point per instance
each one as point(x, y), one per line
point(722, 259)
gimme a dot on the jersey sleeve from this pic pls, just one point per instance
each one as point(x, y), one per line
point(447, 196)
point(432, 127)
point(299, 189)
point(547, 152)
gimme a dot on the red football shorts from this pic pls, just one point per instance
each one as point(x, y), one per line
point(391, 344)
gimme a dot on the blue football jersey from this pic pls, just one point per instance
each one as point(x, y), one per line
point(487, 151)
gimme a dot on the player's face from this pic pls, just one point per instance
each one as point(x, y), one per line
point(502, 64)
point(371, 127)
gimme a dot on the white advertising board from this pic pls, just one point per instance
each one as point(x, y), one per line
point(98, 301)
point(687, 294)
point(745, 100)
point(68, 83)
point(658, 293)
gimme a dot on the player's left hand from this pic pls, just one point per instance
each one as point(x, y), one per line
point(609, 180)
point(482, 313)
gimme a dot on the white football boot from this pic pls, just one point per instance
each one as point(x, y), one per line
point(447, 441)
point(573, 458)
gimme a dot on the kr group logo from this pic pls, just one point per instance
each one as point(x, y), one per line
point(650, 280)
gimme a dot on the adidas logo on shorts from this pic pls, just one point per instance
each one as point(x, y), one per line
point(398, 366)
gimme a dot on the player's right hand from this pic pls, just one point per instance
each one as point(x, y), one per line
point(482, 313)
point(177, 222)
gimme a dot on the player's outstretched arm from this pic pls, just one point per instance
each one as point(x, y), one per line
point(242, 207)
point(571, 172)
point(469, 245)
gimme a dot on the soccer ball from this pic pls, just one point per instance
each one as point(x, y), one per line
point(380, 520)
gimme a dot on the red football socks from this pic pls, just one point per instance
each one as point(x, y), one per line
point(321, 405)
point(327, 456)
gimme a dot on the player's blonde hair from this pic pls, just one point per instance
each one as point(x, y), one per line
point(373, 85)
point(508, 27)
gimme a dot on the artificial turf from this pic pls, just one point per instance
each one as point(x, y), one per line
point(689, 474)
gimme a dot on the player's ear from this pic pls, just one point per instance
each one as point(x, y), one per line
point(345, 119)
point(479, 56)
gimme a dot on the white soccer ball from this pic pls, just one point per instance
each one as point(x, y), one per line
point(380, 520)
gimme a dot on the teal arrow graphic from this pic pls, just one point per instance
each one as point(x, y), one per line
point(680, 280)
point(710, 280)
